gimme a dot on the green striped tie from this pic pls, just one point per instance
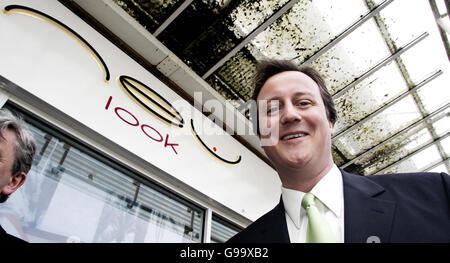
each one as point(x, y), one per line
point(318, 229)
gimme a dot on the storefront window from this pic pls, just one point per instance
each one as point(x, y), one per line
point(222, 230)
point(75, 195)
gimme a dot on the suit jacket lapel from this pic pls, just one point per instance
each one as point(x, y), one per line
point(367, 217)
point(275, 228)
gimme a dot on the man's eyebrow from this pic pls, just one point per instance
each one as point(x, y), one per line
point(303, 93)
point(276, 98)
point(297, 94)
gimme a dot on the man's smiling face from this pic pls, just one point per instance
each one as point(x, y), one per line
point(295, 121)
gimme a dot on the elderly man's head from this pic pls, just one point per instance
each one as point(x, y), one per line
point(17, 149)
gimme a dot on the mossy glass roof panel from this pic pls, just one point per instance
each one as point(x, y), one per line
point(377, 1)
point(306, 28)
point(406, 19)
point(338, 159)
point(352, 57)
point(379, 128)
point(446, 145)
point(404, 143)
point(200, 35)
point(396, 150)
point(429, 54)
point(440, 168)
point(425, 57)
point(436, 93)
point(149, 13)
point(416, 162)
point(371, 94)
point(251, 14)
point(442, 125)
point(237, 74)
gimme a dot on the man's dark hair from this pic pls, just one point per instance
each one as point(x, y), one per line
point(268, 68)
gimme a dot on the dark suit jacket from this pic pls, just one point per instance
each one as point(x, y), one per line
point(7, 238)
point(411, 207)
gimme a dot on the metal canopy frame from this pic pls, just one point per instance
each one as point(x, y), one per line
point(172, 17)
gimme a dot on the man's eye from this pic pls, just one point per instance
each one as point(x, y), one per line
point(272, 110)
point(304, 103)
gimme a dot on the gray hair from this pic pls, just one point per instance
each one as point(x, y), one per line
point(25, 143)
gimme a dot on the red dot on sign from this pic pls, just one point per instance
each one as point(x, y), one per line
point(214, 148)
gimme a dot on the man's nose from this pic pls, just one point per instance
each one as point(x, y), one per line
point(290, 113)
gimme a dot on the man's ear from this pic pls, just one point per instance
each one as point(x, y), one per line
point(15, 182)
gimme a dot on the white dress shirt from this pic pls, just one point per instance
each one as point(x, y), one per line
point(329, 190)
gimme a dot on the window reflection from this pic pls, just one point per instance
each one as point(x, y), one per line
point(70, 196)
point(222, 230)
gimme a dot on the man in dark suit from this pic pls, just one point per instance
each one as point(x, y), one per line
point(17, 149)
point(320, 202)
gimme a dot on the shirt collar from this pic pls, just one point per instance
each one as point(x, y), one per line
point(292, 200)
point(329, 190)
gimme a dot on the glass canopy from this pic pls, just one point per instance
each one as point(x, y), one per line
point(386, 63)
